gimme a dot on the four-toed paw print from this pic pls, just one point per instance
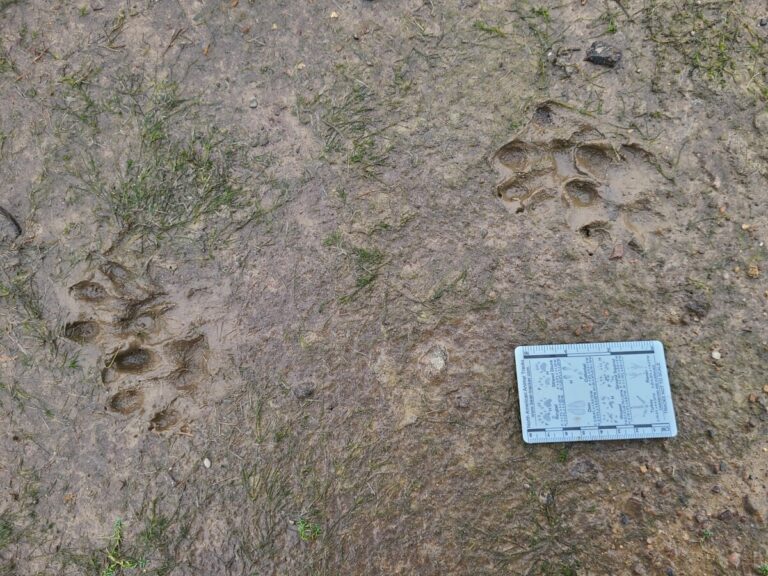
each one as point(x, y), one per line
point(568, 170)
point(145, 366)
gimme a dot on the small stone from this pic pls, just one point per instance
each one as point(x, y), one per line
point(726, 515)
point(698, 307)
point(716, 489)
point(304, 391)
point(633, 508)
point(753, 398)
point(253, 103)
point(300, 66)
point(722, 466)
point(206, 462)
point(434, 362)
point(643, 468)
point(750, 508)
point(763, 22)
point(624, 519)
point(639, 570)
point(461, 402)
point(603, 54)
point(716, 355)
point(753, 271)
point(670, 571)
point(765, 388)
point(584, 470)
point(734, 559)
point(745, 226)
point(334, 15)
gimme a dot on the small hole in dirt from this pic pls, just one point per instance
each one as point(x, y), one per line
point(81, 331)
point(543, 115)
point(133, 360)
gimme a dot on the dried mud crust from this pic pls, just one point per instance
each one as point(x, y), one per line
point(123, 316)
point(567, 170)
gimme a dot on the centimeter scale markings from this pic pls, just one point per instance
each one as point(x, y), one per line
point(596, 391)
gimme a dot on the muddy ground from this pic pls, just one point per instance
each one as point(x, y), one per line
point(274, 258)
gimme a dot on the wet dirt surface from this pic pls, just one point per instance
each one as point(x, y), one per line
point(267, 264)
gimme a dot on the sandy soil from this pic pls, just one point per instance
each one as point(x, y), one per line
point(265, 263)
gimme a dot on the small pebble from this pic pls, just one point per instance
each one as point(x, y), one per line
point(734, 559)
point(753, 271)
point(304, 391)
point(603, 54)
point(765, 388)
point(253, 103)
point(206, 463)
point(643, 468)
point(716, 355)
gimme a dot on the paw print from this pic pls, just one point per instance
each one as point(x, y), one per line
point(565, 169)
point(144, 365)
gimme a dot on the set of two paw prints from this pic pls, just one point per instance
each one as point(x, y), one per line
point(146, 372)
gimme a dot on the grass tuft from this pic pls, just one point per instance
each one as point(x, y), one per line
point(488, 29)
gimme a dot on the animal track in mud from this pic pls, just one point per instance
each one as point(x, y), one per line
point(127, 401)
point(567, 169)
point(164, 420)
point(190, 359)
point(81, 331)
point(134, 360)
point(144, 362)
point(89, 291)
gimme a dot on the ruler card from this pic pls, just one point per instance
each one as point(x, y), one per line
point(596, 391)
